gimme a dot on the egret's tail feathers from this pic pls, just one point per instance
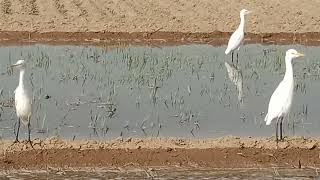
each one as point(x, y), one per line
point(267, 120)
point(227, 51)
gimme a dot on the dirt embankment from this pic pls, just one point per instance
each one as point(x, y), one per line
point(173, 16)
point(226, 152)
point(153, 38)
point(178, 21)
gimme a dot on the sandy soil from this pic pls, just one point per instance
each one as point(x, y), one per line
point(178, 21)
point(225, 152)
point(165, 15)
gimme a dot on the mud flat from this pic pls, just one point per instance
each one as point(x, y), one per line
point(153, 38)
point(224, 152)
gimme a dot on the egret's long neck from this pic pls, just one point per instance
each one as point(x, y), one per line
point(241, 26)
point(22, 71)
point(288, 76)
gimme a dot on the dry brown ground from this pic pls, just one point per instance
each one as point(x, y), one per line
point(165, 21)
point(225, 152)
point(151, 21)
point(168, 15)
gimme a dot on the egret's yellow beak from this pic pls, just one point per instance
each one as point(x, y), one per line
point(299, 54)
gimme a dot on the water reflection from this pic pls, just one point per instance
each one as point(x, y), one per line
point(235, 75)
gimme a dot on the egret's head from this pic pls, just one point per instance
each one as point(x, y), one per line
point(291, 53)
point(19, 64)
point(244, 12)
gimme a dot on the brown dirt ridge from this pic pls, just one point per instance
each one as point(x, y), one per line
point(153, 38)
point(224, 152)
point(166, 21)
point(204, 16)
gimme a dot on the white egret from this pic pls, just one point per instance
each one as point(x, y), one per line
point(281, 99)
point(23, 102)
point(237, 37)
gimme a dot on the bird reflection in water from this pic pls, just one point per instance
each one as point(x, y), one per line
point(235, 75)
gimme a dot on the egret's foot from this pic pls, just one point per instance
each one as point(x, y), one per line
point(282, 139)
point(30, 142)
point(15, 142)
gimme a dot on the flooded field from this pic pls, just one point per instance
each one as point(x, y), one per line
point(183, 91)
point(184, 95)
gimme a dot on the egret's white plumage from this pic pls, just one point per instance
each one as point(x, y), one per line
point(281, 99)
point(237, 37)
point(23, 102)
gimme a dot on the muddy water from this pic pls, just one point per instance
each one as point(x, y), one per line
point(187, 90)
point(166, 173)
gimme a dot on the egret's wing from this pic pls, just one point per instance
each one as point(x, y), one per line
point(235, 40)
point(16, 97)
point(15, 102)
point(277, 102)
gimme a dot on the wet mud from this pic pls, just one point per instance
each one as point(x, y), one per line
point(155, 38)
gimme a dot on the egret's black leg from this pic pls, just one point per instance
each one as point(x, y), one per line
point(17, 133)
point(281, 129)
point(237, 57)
point(232, 56)
point(29, 134)
point(277, 125)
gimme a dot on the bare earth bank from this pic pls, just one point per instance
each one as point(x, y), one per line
point(225, 152)
point(271, 16)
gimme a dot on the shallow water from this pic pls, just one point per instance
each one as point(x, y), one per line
point(104, 92)
point(165, 173)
